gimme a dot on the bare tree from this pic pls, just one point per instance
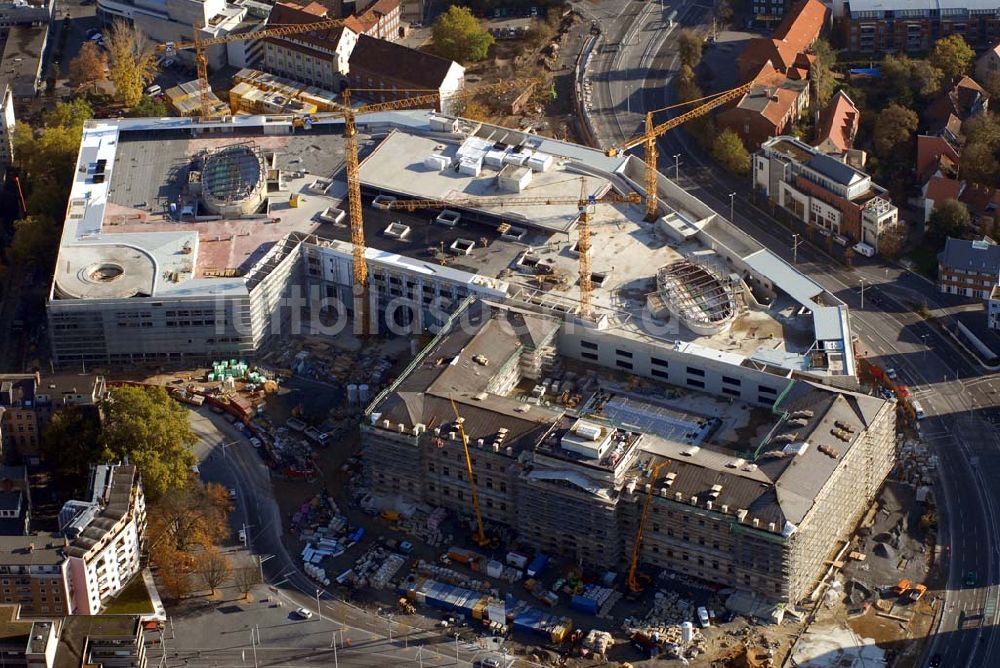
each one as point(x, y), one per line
point(246, 578)
point(212, 568)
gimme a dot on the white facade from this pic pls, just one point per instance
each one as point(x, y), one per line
point(993, 308)
point(309, 63)
point(7, 122)
point(105, 555)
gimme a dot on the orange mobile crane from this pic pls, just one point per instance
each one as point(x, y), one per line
point(634, 585)
point(649, 137)
point(480, 536)
point(584, 201)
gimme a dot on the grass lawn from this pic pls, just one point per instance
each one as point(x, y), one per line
point(132, 600)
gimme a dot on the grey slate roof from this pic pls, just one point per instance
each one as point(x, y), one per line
point(834, 169)
point(977, 255)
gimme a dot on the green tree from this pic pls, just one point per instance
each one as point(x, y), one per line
point(894, 130)
point(70, 443)
point(983, 129)
point(689, 44)
point(34, 241)
point(821, 73)
point(978, 163)
point(146, 426)
point(69, 115)
point(925, 79)
point(149, 107)
point(458, 36)
point(953, 56)
point(950, 219)
point(728, 151)
point(133, 62)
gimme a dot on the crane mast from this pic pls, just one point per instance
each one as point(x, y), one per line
point(652, 132)
point(480, 536)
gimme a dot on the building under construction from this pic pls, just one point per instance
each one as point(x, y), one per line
point(583, 461)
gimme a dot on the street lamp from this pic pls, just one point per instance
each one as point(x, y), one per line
point(677, 166)
point(795, 248)
point(862, 293)
point(923, 338)
point(319, 610)
point(732, 205)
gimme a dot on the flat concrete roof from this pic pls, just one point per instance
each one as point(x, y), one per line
point(397, 166)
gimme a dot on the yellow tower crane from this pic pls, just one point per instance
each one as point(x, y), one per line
point(348, 113)
point(653, 131)
point(633, 582)
point(585, 202)
point(480, 536)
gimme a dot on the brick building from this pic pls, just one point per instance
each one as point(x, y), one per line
point(968, 267)
point(887, 26)
point(822, 191)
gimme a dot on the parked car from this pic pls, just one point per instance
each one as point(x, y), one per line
point(304, 613)
point(891, 373)
point(703, 618)
point(970, 579)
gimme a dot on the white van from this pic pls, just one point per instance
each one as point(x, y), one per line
point(918, 410)
point(153, 90)
point(864, 249)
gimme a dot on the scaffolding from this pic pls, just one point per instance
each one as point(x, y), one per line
point(697, 294)
point(233, 173)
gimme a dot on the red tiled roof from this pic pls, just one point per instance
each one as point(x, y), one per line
point(930, 150)
point(940, 188)
point(802, 25)
point(285, 13)
point(369, 18)
point(838, 122)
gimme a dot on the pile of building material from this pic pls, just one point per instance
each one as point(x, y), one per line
point(598, 642)
point(318, 361)
point(293, 454)
point(376, 567)
point(450, 576)
point(917, 465)
point(683, 641)
point(668, 609)
point(595, 600)
point(426, 529)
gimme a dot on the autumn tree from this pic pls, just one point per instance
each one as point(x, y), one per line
point(88, 66)
point(196, 514)
point(978, 163)
point(894, 130)
point(687, 87)
point(953, 56)
point(133, 62)
point(903, 78)
point(821, 72)
point(689, 45)
point(950, 218)
point(457, 35)
point(728, 151)
point(173, 569)
point(246, 578)
point(890, 242)
point(147, 427)
point(212, 568)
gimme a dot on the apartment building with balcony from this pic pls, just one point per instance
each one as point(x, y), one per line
point(106, 534)
point(887, 26)
point(820, 190)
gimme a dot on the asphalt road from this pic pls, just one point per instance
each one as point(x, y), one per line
point(362, 636)
point(959, 398)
